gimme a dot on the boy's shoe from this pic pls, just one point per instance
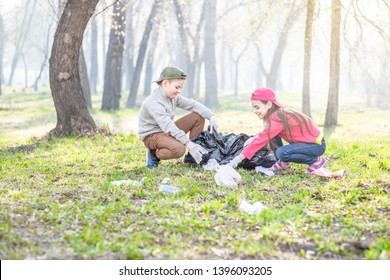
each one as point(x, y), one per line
point(280, 165)
point(152, 160)
point(321, 162)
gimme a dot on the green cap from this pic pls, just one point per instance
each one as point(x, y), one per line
point(171, 72)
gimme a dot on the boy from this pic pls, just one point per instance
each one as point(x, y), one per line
point(164, 138)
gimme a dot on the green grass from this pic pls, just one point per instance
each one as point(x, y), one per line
point(56, 200)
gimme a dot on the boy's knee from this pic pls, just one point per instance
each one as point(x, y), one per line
point(178, 151)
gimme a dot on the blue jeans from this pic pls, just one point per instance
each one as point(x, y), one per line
point(305, 153)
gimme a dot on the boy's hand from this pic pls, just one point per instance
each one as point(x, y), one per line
point(196, 151)
point(214, 123)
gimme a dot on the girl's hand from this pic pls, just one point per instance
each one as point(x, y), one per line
point(234, 162)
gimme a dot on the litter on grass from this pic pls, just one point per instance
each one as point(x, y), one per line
point(168, 189)
point(251, 209)
point(227, 176)
point(165, 180)
point(264, 170)
point(323, 172)
point(127, 183)
point(212, 164)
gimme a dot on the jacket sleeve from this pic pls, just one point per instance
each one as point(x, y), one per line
point(262, 138)
point(167, 125)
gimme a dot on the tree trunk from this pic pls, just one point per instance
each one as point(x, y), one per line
point(236, 67)
point(185, 52)
point(1, 51)
point(45, 56)
point(334, 75)
point(72, 113)
point(209, 54)
point(141, 56)
point(104, 52)
point(282, 43)
point(22, 35)
point(113, 72)
point(260, 73)
point(94, 66)
point(149, 64)
point(307, 57)
point(129, 47)
point(222, 62)
point(84, 79)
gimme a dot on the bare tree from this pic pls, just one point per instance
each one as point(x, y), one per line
point(45, 51)
point(307, 57)
point(84, 79)
point(129, 46)
point(149, 63)
point(272, 75)
point(113, 72)
point(1, 52)
point(21, 38)
point(141, 56)
point(236, 65)
point(72, 113)
point(185, 35)
point(94, 66)
point(209, 54)
point(331, 115)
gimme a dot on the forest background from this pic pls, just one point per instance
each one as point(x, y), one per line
point(326, 58)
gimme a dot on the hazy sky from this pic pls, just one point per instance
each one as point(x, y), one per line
point(6, 5)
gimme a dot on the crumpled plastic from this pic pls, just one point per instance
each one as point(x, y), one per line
point(127, 183)
point(211, 164)
point(227, 176)
point(251, 209)
point(265, 171)
point(323, 172)
point(223, 147)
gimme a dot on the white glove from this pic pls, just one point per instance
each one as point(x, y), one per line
point(196, 151)
point(213, 123)
point(234, 162)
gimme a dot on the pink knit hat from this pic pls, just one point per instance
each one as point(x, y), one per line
point(265, 94)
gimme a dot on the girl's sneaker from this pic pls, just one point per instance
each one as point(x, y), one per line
point(321, 162)
point(280, 165)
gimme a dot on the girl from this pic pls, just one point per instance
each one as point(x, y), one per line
point(306, 142)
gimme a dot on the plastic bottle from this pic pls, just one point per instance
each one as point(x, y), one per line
point(168, 188)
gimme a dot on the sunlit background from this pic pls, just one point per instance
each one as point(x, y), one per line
point(245, 29)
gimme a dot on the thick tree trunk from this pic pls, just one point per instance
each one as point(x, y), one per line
point(94, 66)
point(113, 72)
point(334, 75)
point(141, 56)
point(209, 54)
point(72, 113)
point(307, 58)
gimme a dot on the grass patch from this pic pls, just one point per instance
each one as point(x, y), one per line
point(56, 200)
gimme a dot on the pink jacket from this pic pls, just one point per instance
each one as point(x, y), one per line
point(277, 129)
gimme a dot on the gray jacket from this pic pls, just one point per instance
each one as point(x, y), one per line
point(158, 111)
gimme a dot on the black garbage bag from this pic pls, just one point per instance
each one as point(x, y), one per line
point(223, 147)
